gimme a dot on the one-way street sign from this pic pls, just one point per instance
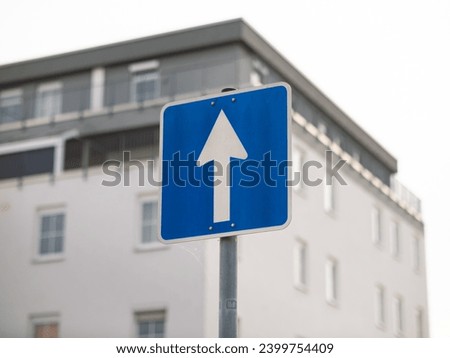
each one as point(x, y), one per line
point(225, 164)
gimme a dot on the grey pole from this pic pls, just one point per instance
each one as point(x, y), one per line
point(228, 283)
point(228, 287)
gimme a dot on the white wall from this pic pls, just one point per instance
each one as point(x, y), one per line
point(102, 279)
point(268, 303)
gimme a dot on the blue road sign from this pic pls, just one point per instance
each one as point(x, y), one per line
point(224, 161)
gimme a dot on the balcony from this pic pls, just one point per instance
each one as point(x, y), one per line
point(64, 99)
point(405, 196)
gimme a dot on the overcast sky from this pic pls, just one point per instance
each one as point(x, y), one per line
point(385, 63)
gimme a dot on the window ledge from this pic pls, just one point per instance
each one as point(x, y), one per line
point(378, 245)
point(39, 121)
point(299, 190)
point(301, 287)
point(42, 259)
point(331, 213)
point(9, 126)
point(332, 303)
point(154, 246)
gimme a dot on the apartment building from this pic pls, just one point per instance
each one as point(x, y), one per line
point(79, 258)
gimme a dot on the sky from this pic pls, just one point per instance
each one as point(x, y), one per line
point(385, 63)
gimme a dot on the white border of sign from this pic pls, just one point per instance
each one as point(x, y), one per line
point(215, 96)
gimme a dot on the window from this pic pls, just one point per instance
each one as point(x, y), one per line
point(331, 281)
point(328, 189)
point(144, 86)
point(419, 323)
point(238, 327)
point(395, 240)
point(149, 222)
point(322, 127)
point(45, 326)
point(46, 330)
point(300, 262)
point(416, 254)
point(20, 164)
point(150, 324)
point(259, 73)
point(256, 78)
point(379, 306)
point(141, 143)
point(97, 88)
point(51, 240)
point(297, 163)
point(337, 139)
point(376, 226)
point(10, 106)
point(398, 316)
point(48, 99)
point(356, 156)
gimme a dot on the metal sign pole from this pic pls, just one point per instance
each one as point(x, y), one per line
point(228, 282)
point(228, 287)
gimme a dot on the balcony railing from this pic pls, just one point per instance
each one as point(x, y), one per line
point(197, 80)
point(405, 195)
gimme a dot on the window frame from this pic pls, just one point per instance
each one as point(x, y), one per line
point(419, 322)
point(258, 73)
point(416, 254)
point(329, 196)
point(297, 164)
point(380, 306)
point(375, 226)
point(394, 238)
point(12, 93)
point(43, 319)
point(398, 316)
point(139, 317)
point(300, 257)
point(149, 222)
point(356, 155)
point(331, 287)
point(256, 78)
point(54, 256)
point(322, 127)
point(336, 139)
point(47, 87)
point(141, 246)
point(146, 67)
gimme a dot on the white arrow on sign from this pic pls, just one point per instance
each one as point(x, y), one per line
point(222, 144)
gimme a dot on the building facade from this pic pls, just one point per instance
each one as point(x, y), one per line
point(80, 258)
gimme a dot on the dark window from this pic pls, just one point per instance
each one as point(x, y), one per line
point(48, 100)
point(142, 143)
point(149, 222)
point(21, 164)
point(144, 86)
point(10, 107)
point(52, 234)
point(46, 330)
point(73, 152)
point(150, 324)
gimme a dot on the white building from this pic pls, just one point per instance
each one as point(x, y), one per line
point(80, 259)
